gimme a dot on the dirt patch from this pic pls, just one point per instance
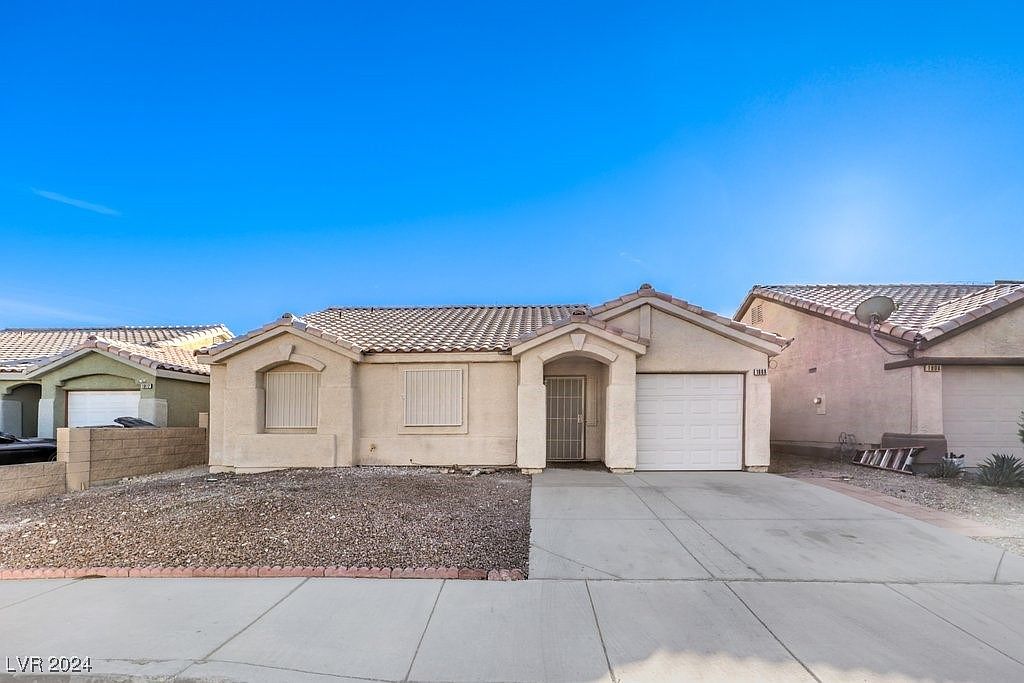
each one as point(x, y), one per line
point(372, 516)
point(997, 507)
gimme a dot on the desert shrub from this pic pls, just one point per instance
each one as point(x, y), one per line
point(949, 467)
point(1001, 469)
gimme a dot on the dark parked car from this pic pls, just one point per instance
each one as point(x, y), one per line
point(126, 422)
point(14, 450)
point(133, 422)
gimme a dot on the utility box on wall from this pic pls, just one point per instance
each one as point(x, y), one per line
point(819, 404)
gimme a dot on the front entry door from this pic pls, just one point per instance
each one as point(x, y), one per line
point(566, 422)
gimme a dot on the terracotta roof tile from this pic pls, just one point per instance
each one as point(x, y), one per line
point(461, 328)
point(443, 328)
point(168, 348)
point(924, 310)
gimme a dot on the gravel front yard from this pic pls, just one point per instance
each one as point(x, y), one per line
point(366, 516)
point(996, 507)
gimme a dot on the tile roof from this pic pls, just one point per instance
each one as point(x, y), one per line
point(925, 311)
point(168, 348)
point(462, 328)
point(443, 328)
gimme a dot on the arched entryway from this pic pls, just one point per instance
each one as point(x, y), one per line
point(575, 409)
point(579, 348)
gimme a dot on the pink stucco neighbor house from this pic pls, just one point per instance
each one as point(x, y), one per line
point(645, 381)
point(957, 366)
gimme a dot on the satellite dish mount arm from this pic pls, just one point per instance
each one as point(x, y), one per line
point(873, 328)
point(875, 310)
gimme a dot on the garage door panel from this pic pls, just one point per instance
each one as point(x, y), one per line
point(729, 407)
point(980, 410)
point(699, 457)
point(672, 406)
point(672, 383)
point(699, 383)
point(97, 408)
point(728, 432)
point(732, 383)
point(701, 407)
point(689, 421)
point(701, 432)
point(727, 458)
point(672, 432)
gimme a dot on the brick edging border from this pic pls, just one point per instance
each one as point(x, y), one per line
point(266, 571)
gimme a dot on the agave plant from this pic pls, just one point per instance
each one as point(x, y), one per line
point(949, 467)
point(1001, 469)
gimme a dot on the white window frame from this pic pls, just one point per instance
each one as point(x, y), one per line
point(436, 410)
point(311, 412)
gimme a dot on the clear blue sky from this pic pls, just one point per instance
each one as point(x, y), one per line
point(215, 161)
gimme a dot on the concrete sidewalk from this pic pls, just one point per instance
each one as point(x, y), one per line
point(538, 630)
point(668, 577)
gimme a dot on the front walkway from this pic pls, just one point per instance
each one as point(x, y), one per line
point(726, 577)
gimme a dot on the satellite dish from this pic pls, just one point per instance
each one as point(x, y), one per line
point(874, 310)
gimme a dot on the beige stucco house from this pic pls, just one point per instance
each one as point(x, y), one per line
point(959, 368)
point(73, 377)
point(646, 381)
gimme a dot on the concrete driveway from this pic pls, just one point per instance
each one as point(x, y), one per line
point(588, 524)
point(714, 577)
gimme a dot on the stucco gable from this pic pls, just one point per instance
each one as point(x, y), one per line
point(1000, 336)
point(286, 324)
point(583, 323)
point(750, 336)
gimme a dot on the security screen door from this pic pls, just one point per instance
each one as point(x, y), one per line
point(566, 422)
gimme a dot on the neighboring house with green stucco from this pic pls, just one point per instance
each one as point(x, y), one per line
point(61, 377)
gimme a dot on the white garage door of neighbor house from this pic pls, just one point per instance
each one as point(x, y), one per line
point(97, 408)
point(980, 410)
point(689, 422)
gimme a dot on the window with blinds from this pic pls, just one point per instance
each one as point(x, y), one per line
point(433, 398)
point(291, 399)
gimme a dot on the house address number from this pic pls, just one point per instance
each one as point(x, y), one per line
point(933, 368)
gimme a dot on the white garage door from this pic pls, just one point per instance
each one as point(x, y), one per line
point(689, 422)
point(96, 408)
point(980, 410)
